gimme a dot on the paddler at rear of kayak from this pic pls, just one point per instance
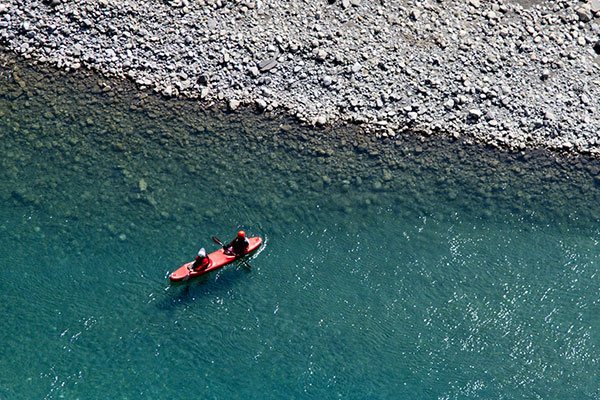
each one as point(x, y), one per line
point(200, 262)
point(238, 246)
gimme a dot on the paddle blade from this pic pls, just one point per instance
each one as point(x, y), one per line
point(217, 241)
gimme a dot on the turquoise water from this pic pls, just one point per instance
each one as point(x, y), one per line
point(392, 269)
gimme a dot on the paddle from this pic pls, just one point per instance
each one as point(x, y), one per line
point(218, 241)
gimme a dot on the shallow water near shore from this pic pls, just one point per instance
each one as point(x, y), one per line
point(392, 268)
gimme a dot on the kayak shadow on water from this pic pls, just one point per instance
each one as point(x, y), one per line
point(205, 286)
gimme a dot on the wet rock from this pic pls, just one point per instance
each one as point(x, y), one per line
point(142, 185)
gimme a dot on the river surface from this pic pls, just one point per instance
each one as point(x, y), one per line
point(392, 268)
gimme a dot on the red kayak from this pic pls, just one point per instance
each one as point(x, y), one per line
point(217, 259)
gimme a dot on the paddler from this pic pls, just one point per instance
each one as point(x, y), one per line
point(201, 261)
point(238, 246)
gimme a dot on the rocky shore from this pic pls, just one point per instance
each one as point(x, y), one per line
point(509, 74)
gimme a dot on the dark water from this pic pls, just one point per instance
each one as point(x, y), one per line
point(396, 268)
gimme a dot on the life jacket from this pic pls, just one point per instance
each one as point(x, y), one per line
point(240, 245)
point(200, 263)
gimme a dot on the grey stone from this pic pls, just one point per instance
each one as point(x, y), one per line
point(415, 13)
point(584, 13)
point(595, 6)
point(321, 55)
point(268, 64)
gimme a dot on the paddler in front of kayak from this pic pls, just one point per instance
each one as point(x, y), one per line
point(238, 246)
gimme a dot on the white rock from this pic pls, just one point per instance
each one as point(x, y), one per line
point(321, 120)
point(449, 103)
point(475, 113)
point(254, 71)
point(356, 68)
point(261, 104)
point(234, 104)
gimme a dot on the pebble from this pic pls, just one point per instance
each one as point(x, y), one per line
point(261, 104)
point(475, 113)
point(233, 104)
point(545, 74)
point(143, 186)
point(267, 65)
point(584, 13)
point(253, 70)
point(321, 55)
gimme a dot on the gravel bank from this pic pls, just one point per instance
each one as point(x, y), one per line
point(492, 71)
